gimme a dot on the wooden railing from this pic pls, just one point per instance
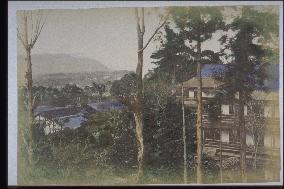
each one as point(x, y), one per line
point(233, 149)
point(230, 121)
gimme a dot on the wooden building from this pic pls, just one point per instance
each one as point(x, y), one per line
point(220, 117)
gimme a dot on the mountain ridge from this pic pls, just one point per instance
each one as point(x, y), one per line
point(61, 63)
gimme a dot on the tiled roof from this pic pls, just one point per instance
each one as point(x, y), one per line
point(209, 71)
point(106, 106)
point(213, 70)
point(207, 82)
point(57, 112)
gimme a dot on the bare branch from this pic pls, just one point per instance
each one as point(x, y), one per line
point(20, 37)
point(25, 39)
point(156, 31)
point(38, 30)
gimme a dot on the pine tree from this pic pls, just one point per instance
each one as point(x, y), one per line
point(246, 71)
point(196, 25)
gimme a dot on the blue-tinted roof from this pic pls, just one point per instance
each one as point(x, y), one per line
point(212, 70)
point(41, 109)
point(106, 106)
point(74, 121)
point(271, 83)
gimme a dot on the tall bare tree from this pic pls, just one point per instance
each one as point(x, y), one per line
point(28, 30)
point(138, 108)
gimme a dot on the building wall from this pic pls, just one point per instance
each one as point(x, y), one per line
point(191, 93)
point(209, 95)
point(276, 108)
point(271, 141)
point(268, 111)
point(225, 109)
point(225, 136)
point(249, 140)
point(245, 110)
point(49, 125)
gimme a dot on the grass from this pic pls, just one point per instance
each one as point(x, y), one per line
point(97, 176)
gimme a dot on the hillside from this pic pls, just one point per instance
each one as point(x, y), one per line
point(60, 69)
point(61, 63)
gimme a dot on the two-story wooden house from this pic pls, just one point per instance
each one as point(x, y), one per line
point(220, 120)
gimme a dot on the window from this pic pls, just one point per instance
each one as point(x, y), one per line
point(231, 109)
point(195, 94)
point(233, 136)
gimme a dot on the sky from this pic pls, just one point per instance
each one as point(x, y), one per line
point(107, 35)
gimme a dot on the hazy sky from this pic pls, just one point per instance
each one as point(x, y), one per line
point(107, 35)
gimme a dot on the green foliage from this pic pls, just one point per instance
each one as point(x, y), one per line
point(178, 54)
point(198, 23)
point(163, 126)
point(247, 67)
point(70, 94)
point(172, 58)
point(125, 89)
point(115, 132)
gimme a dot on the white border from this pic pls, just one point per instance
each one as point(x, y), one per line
point(12, 58)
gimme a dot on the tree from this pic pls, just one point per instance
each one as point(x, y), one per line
point(256, 124)
point(100, 88)
point(28, 40)
point(196, 25)
point(138, 108)
point(71, 94)
point(173, 58)
point(246, 72)
point(129, 90)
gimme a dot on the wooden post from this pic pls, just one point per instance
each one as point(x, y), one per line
point(184, 139)
point(221, 168)
point(203, 136)
point(39, 119)
point(48, 126)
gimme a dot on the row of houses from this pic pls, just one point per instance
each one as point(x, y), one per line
point(224, 130)
point(55, 119)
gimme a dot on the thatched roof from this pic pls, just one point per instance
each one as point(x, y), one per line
point(207, 82)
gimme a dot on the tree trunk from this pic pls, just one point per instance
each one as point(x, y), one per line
point(139, 136)
point(138, 110)
point(255, 157)
point(184, 139)
point(242, 136)
point(199, 118)
point(221, 161)
point(29, 84)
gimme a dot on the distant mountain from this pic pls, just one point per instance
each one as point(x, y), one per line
point(61, 63)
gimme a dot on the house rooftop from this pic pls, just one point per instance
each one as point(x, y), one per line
point(106, 106)
point(57, 112)
point(207, 82)
point(210, 71)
